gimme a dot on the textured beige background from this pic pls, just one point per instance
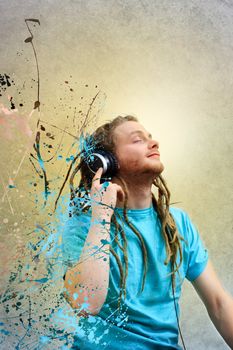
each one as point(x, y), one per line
point(167, 62)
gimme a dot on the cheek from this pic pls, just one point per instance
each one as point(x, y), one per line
point(128, 158)
point(128, 163)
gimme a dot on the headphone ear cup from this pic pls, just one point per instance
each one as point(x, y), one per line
point(105, 159)
point(113, 166)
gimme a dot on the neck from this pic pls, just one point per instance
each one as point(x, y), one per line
point(139, 192)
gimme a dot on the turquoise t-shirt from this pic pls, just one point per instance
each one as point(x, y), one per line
point(147, 321)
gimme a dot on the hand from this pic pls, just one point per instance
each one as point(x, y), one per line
point(104, 196)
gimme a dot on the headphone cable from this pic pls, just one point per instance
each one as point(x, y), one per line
point(177, 318)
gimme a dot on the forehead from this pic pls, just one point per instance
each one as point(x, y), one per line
point(125, 130)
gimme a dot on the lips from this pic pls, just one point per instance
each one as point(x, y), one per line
point(153, 154)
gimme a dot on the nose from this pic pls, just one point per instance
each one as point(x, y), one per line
point(154, 144)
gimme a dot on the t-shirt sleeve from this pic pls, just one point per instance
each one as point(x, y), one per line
point(197, 252)
point(74, 233)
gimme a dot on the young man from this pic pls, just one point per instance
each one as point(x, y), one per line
point(129, 254)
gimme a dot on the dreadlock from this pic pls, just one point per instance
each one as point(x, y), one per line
point(103, 137)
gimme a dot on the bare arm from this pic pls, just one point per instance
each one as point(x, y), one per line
point(218, 302)
point(86, 284)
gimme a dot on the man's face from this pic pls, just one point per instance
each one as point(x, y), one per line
point(136, 151)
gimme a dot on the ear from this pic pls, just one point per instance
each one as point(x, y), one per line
point(118, 164)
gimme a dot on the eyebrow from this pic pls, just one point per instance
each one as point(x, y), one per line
point(140, 132)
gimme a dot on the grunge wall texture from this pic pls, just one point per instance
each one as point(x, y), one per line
point(167, 62)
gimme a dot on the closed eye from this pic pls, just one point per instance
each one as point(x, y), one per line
point(138, 139)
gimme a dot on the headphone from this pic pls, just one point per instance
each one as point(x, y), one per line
point(102, 158)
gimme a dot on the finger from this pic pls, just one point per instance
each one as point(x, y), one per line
point(97, 175)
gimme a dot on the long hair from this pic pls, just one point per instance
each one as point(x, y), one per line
point(103, 137)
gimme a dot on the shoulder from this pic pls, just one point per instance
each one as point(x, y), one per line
point(180, 216)
point(185, 225)
point(177, 211)
point(76, 224)
point(74, 233)
point(79, 216)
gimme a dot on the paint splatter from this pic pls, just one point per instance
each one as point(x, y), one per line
point(5, 82)
point(39, 157)
point(36, 278)
point(30, 40)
